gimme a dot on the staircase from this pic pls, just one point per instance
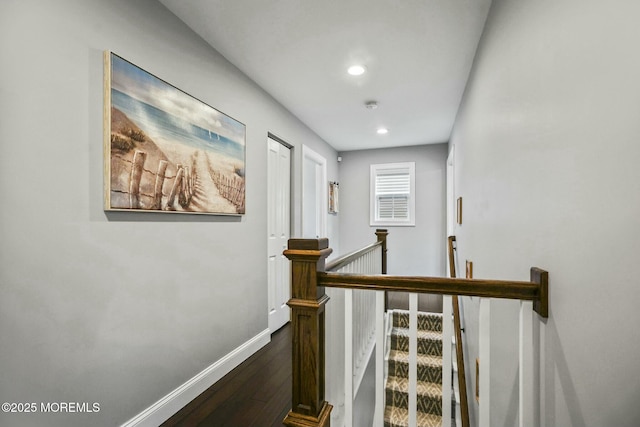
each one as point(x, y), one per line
point(429, 385)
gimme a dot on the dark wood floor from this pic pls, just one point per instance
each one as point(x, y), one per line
point(255, 394)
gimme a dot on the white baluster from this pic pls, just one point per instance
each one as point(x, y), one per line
point(348, 357)
point(378, 417)
point(413, 358)
point(447, 356)
point(484, 353)
point(529, 387)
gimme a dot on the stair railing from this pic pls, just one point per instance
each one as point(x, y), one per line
point(308, 303)
point(462, 380)
point(351, 328)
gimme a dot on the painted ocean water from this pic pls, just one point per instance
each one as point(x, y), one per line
point(164, 127)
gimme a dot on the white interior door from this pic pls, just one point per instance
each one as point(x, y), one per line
point(314, 194)
point(278, 218)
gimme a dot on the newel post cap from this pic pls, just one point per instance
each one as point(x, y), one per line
point(307, 259)
point(308, 249)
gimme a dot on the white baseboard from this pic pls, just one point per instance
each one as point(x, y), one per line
point(164, 408)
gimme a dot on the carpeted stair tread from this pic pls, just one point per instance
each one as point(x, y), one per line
point(399, 417)
point(429, 342)
point(422, 387)
point(422, 359)
point(429, 371)
point(428, 395)
point(426, 321)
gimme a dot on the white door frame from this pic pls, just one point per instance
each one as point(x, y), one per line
point(319, 203)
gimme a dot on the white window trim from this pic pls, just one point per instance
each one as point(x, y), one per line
point(379, 169)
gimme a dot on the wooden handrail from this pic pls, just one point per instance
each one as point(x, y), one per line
point(338, 263)
point(462, 378)
point(508, 289)
point(308, 300)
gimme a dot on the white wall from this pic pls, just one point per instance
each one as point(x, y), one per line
point(415, 250)
point(118, 308)
point(547, 164)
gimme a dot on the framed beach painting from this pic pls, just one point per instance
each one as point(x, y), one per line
point(165, 150)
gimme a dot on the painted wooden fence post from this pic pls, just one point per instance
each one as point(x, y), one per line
point(307, 319)
point(157, 194)
point(182, 189)
point(136, 175)
point(174, 190)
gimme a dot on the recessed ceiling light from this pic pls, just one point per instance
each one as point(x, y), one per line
point(356, 70)
point(382, 131)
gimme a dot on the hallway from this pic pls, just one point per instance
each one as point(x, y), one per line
point(255, 394)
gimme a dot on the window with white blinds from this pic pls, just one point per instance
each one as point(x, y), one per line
point(392, 194)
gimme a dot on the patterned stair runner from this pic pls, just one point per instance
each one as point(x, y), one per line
point(429, 386)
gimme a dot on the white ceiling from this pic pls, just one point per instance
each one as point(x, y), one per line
point(418, 54)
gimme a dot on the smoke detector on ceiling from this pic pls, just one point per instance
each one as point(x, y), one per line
point(371, 105)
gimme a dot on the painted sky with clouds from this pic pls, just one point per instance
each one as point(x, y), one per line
point(149, 89)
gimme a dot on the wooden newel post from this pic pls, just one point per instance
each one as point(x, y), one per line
point(382, 237)
point(307, 321)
